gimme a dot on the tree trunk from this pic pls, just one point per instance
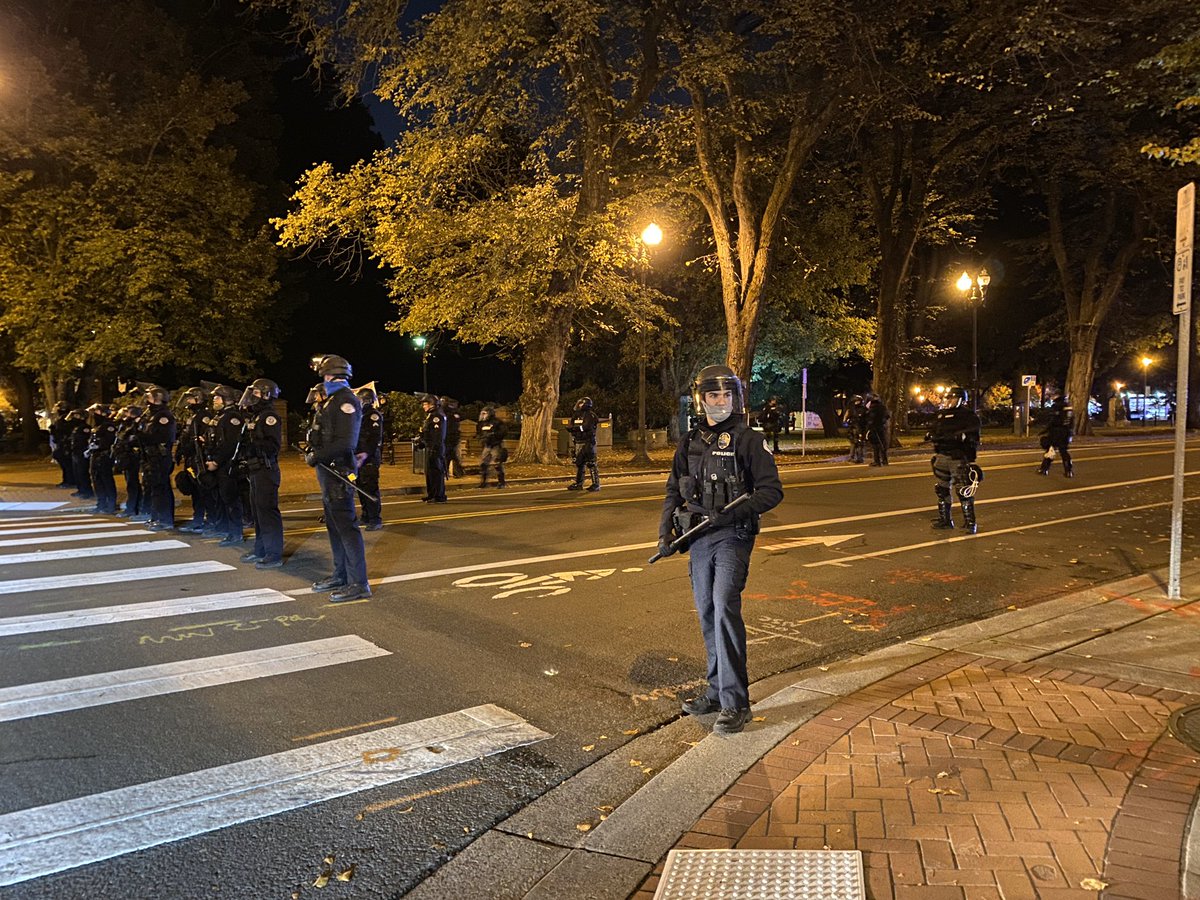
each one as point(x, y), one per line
point(888, 363)
point(26, 410)
point(1081, 372)
point(541, 372)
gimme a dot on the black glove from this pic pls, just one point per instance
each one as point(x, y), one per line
point(664, 547)
point(311, 458)
point(720, 519)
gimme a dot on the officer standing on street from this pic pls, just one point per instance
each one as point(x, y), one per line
point(491, 435)
point(222, 448)
point(100, 457)
point(127, 455)
point(60, 443)
point(260, 459)
point(856, 425)
point(454, 467)
point(432, 440)
point(877, 430)
point(955, 437)
point(583, 427)
point(717, 461)
point(1057, 436)
point(369, 455)
point(189, 453)
point(771, 422)
point(158, 441)
point(334, 436)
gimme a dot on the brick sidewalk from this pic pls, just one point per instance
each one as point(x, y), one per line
point(974, 778)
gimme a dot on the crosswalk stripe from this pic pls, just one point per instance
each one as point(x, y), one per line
point(49, 529)
point(51, 582)
point(77, 552)
point(65, 516)
point(42, 698)
point(61, 538)
point(32, 505)
point(47, 839)
point(132, 612)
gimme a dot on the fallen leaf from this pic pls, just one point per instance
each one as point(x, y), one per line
point(631, 731)
point(758, 719)
point(951, 791)
point(322, 879)
point(328, 860)
point(525, 644)
point(695, 743)
point(347, 874)
point(529, 834)
point(672, 659)
point(584, 826)
point(589, 746)
point(838, 719)
point(604, 809)
point(823, 668)
point(635, 763)
point(466, 830)
point(927, 638)
point(1093, 884)
point(943, 774)
point(1010, 607)
point(604, 737)
point(550, 672)
point(647, 770)
point(432, 749)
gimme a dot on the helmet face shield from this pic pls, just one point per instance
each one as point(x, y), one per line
point(717, 393)
point(316, 394)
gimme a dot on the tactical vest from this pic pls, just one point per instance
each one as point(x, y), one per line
point(714, 474)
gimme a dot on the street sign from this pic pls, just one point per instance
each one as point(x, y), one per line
point(1028, 380)
point(1185, 221)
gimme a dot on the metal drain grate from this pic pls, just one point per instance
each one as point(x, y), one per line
point(1185, 725)
point(762, 875)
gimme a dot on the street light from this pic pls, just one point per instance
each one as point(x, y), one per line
point(1146, 390)
point(422, 343)
point(652, 236)
point(976, 291)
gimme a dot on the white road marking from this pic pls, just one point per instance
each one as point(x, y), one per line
point(44, 698)
point(103, 550)
point(31, 505)
point(829, 540)
point(62, 538)
point(51, 529)
point(47, 839)
point(131, 612)
point(86, 579)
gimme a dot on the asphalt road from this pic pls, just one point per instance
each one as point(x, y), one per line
point(276, 745)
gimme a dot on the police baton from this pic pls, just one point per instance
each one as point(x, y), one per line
point(344, 480)
point(696, 529)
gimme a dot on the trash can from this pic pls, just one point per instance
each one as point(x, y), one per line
point(418, 453)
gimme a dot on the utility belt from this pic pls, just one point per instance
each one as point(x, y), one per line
point(154, 451)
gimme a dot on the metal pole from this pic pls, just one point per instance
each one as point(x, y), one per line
point(1181, 408)
point(975, 352)
point(642, 456)
point(1145, 395)
point(425, 372)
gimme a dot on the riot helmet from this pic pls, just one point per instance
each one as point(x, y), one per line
point(100, 411)
point(224, 396)
point(326, 364)
point(426, 398)
point(193, 398)
point(367, 396)
point(259, 391)
point(955, 396)
point(61, 408)
point(155, 395)
point(487, 413)
point(583, 403)
point(316, 394)
point(718, 379)
point(449, 404)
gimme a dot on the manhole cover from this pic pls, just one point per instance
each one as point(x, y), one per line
point(1185, 725)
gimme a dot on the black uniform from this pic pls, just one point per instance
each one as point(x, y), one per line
point(223, 447)
point(856, 425)
point(491, 433)
point(584, 423)
point(190, 454)
point(771, 422)
point(60, 445)
point(100, 458)
point(157, 428)
point(877, 417)
point(1057, 437)
point(454, 466)
point(334, 437)
point(433, 441)
point(714, 464)
point(955, 437)
point(369, 454)
point(260, 459)
point(127, 457)
point(78, 439)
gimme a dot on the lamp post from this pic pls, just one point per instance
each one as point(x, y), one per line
point(422, 343)
point(652, 236)
point(1146, 390)
point(976, 291)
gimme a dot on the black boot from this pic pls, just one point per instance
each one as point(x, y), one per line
point(1069, 470)
point(943, 520)
point(595, 473)
point(968, 510)
point(1045, 468)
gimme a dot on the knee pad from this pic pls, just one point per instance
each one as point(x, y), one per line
point(942, 491)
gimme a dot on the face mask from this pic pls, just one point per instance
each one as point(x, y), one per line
point(718, 413)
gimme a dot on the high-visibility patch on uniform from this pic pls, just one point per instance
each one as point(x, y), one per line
point(163, 421)
point(348, 408)
point(375, 417)
point(235, 421)
point(271, 420)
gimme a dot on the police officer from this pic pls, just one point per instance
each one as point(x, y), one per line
point(955, 437)
point(582, 429)
point(127, 457)
point(717, 461)
point(856, 424)
point(1057, 436)
point(60, 443)
point(877, 429)
point(157, 432)
point(454, 466)
point(259, 457)
point(222, 446)
point(334, 436)
point(432, 440)
point(78, 439)
point(491, 435)
point(189, 453)
point(100, 457)
point(771, 422)
point(369, 456)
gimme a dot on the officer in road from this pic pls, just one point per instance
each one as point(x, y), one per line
point(60, 443)
point(955, 437)
point(259, 458)
point(582, 429)
point(454, 466)
point(771, 422)
point(221, 448)
point(717, 461)
point(856, 428)
point(333, 439)
point(432, 440)
point(491, 435)
point(190, 454)
point(369, 455)
point(877, 430)
point(127, 456)
point(1057, 436)
point(78, 439)
point(100, 457)
point(158, 440)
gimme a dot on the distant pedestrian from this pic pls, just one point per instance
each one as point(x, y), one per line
point(432, 440)
point(491, 433)
point(856, 428)
point(955, 438)
point(584, 423)
point(454, 466)
point(1056, 439)
point(877, 429)
point(770, 420)
point(717, 461)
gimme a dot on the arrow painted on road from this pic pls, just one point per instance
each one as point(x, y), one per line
point(829, 540)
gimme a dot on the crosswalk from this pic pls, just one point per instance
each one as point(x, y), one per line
point(42, 840)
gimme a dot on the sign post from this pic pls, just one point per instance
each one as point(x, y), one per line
point(1181, 305)
point(1028, 381)
point(803, 410)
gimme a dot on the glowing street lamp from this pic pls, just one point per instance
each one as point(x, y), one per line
point(976, 291)
point(422, 343)
point(1146, 389)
